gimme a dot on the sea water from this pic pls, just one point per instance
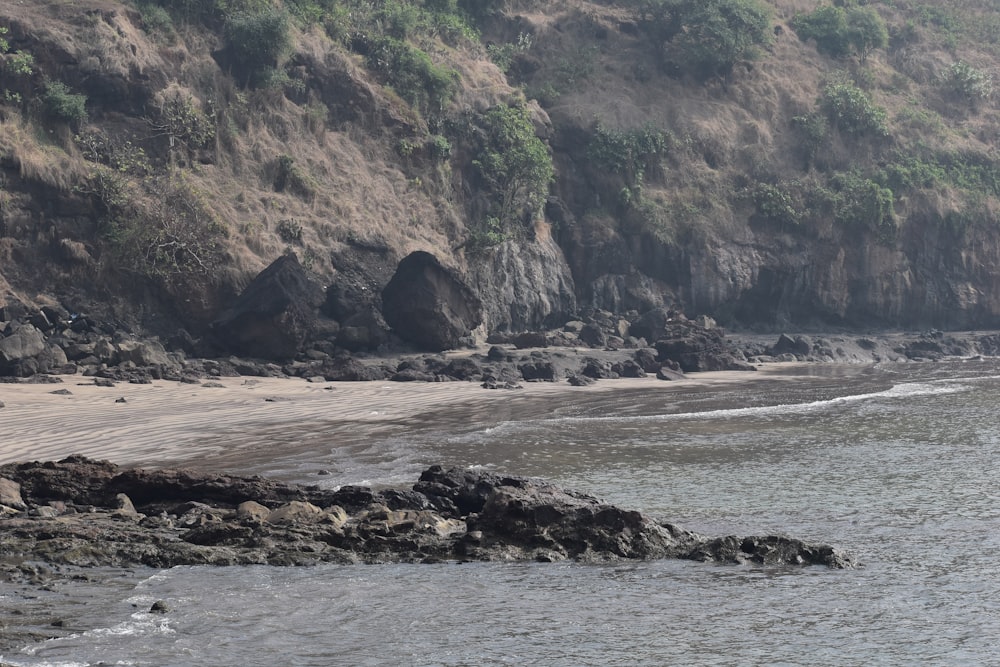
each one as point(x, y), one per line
point(897, 464)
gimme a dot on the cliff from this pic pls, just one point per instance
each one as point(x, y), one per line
point(553, 157)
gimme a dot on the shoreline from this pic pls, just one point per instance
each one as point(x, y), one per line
point(170, 423)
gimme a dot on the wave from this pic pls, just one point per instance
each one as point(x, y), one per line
point(896, 392)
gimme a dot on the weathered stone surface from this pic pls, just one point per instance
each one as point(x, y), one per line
point(448, 514)
point(696, 349)
point(10, 494)
point(430, 305)
point(296, 511)
point(275, 314)
point(530, 339)
point(144, 353)
point(24, 342)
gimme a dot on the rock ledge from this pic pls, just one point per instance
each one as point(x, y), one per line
point(83, 512)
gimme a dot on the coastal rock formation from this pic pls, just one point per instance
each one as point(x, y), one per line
point(92, 513)
point(429, 304)
point(275, 314)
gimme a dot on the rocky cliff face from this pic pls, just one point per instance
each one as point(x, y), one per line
point(148, 172)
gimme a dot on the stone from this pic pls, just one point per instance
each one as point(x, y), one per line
point(275, 315)
point(449, 514)
point(296, 512)
point(593, 335)
point(144, 353)
point(10, 495)
point(530, 339)
point(429, 304)
point(252, 511)
point(24, 342)
point(799, 345)
point(366, 330)
point(538, 371)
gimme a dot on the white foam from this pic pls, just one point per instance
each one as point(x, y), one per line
point(908, 390)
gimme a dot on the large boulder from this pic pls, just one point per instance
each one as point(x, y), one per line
point(276, 313)
point(694, 348)
point(21, 343)
point(429, 304)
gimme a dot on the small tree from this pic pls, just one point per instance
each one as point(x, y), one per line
point(514, 163)
point(866, 31)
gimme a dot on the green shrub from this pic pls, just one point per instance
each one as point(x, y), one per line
point(60, 104)
point(155, 19)
point(839, 32)
point(851, 110)
point(502, 55)
point(627, 152)
point(775, 204)
point(707, 37)
point(969, 83)
point(439, 148)
point(181, 120)
point(813, 129)
point(863, 203)
point(514, 164)
point(290, 231)
point(827, 26)
point(294, 179)
point(258, 40)
point(411, 73)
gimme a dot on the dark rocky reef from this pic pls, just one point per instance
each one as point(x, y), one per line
point(83, 512)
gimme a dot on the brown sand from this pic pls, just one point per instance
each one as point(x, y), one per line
point(168, 423)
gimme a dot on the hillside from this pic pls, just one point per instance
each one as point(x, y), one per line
point(770, 164)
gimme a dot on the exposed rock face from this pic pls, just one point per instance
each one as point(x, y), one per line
point(524, 285)
point(172, 517)
point(275, 314)
point(429, 304)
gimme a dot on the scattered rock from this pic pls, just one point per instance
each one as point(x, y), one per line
point(159, 607)
point(121, 400)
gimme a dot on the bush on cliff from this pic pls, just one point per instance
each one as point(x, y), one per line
point(706, 37)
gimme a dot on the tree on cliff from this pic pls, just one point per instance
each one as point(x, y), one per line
point(516, 166)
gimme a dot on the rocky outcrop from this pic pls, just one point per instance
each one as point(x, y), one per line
point(429, 304)
point(275, 314)
point(524, 285)
point(91, 513)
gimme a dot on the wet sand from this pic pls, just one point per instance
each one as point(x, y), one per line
point(248, 421)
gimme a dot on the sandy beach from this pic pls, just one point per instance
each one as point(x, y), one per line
point(169, 423)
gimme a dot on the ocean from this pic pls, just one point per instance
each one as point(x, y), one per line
point(897, 464)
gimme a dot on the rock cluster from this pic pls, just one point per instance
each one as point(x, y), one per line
point(92, 513)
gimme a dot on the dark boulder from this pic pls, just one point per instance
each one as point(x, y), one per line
point(429, 305)
point(593, 335)
point(530, 339)
point(347, 369)
point(651, 325)
point(799, 346)
point(366, 330)
point(538, 371)
point(275, 314)
point(695, 348)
